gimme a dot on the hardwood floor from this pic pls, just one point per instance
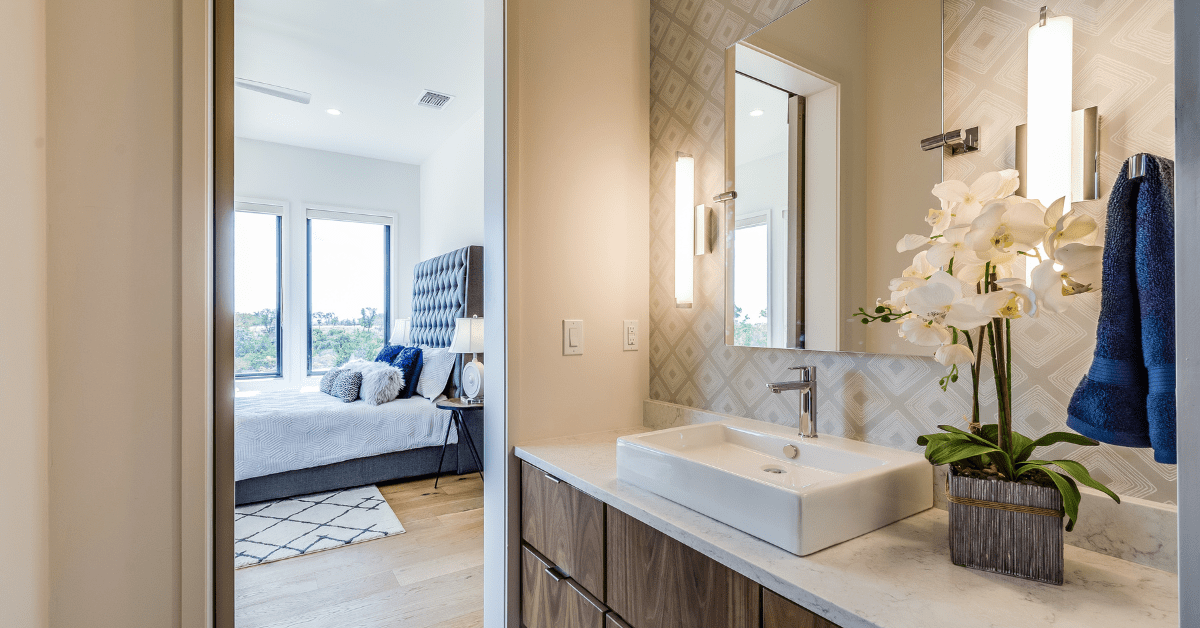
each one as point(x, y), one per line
point(429, 577)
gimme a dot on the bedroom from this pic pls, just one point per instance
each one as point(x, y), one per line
point(358, 231)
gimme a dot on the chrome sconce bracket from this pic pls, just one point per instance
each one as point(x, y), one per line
point(1085, 155)
point(959, 141)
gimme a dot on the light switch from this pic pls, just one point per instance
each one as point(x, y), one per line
point(572, 337)
point(629, 336)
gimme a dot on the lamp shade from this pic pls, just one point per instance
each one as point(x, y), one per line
point(400, 331)
point(468, 336)
point(1051, 49)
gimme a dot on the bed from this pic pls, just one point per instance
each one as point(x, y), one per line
point(291, 443)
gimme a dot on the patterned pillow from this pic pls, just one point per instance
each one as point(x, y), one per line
point(347, 385)
point(409, 363)
point(388, 353)
point(435, 372)
point(327, 380)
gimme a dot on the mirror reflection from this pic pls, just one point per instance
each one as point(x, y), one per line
point(825, 109)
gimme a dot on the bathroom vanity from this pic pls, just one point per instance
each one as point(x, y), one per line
point(597, 551)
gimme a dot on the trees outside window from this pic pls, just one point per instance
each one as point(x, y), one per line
point(349, 278)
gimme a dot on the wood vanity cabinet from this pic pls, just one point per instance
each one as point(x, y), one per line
point(552, 600)
point(655, 581)
point(564, 525)
point(780, 612)
point(588, 565)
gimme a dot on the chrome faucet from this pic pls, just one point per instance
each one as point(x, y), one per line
point(807, 385)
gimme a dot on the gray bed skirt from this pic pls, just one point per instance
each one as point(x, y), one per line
point(361, 471)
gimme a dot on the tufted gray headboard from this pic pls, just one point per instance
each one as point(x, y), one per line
point(445, 288)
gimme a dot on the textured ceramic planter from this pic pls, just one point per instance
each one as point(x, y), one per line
point(1006, 528)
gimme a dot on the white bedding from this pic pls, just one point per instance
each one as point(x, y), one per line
point(288, 430)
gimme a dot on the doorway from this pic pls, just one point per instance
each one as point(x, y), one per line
point(290, 331)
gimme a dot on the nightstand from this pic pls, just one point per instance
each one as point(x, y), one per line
point(457, 407)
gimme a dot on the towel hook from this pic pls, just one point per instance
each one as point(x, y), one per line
point(1135, 166)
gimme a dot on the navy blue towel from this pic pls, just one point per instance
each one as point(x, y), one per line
point(1156, 297)
point(1128, 396)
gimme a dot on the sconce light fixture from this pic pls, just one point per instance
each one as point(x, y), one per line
point(1057, 151)
point(685, 228)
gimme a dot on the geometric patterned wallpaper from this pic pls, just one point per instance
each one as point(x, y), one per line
point(1123, 64)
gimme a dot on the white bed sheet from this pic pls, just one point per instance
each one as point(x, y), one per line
point(288, 430)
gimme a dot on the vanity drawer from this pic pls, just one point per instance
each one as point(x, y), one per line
point(551, 600)
point(780, 612)
point(655, 581)
point(565, 526)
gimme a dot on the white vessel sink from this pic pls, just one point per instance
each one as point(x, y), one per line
point(738, 472)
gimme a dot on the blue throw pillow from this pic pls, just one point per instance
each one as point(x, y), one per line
point(388, 353)
point(409, 361)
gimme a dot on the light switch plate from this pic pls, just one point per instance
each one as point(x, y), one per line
point(629, 336)
point(572, 337)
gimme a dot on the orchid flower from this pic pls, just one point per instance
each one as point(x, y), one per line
point(940, 219)
point(967, 201)
point(910, 242)
point(1005, 224)
point(1067, 228)
point(940, 301)
point(1072, 269)
point(953, 354)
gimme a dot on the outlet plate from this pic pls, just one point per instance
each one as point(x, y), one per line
point(629, 335)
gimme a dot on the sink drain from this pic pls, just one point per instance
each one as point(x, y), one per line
point(773, 470)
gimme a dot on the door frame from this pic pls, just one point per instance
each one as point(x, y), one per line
point(206, 297)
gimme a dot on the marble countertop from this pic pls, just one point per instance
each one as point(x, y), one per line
point(899, 576)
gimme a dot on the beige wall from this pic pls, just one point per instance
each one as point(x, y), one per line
point(578, 213)
point(24, 579)
point(113, 177)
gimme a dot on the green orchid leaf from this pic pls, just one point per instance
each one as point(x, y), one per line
point(1080, 473)
point(946, 452)
point(1022, 447)
point(989, 432)
point(1066, 486)
point(974, 437)
point(925, 439)
point(1053, 438)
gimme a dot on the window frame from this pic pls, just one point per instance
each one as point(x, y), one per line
point(386, 219)
point(273, 208)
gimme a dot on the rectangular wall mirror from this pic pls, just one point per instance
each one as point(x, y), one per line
point(825, 110)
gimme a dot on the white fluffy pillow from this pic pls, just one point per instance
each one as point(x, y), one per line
point(381, 383)
point(437, 364)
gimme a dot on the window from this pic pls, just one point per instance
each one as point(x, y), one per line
point(349, 293)
point(258, 349)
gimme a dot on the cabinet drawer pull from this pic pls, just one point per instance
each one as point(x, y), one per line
point(553, 572)
point(591, 599)
point(551, 477)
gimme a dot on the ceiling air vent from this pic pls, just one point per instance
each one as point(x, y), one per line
point(434, 100)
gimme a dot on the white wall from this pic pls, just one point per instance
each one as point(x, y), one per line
point(452, 192)
point(24, 456)
point(578, 213)
point(304, 177)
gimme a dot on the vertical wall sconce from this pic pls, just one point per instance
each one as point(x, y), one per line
point(1057, 150)
point(1048, 143)
point(685, 228)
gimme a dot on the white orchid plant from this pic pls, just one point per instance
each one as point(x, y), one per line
point(963, 291)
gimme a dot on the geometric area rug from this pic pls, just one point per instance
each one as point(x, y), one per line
point(270, 531)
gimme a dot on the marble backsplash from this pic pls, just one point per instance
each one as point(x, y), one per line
point(1137, 530)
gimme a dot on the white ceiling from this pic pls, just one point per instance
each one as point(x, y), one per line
point(370, 59)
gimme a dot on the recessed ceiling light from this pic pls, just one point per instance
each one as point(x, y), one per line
point(756, 112)
point(338, 112)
